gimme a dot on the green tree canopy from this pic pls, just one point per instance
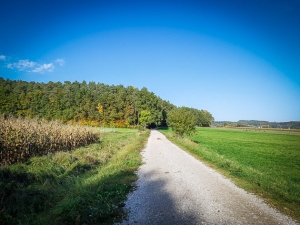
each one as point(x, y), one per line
point(145, 118)
point(89, 103)
point(84, 102)
point(182, 121)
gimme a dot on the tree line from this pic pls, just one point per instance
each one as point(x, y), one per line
point(89, 103)
point(259, 124)
point(183, 120)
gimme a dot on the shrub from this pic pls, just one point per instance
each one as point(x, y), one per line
point(182, 121)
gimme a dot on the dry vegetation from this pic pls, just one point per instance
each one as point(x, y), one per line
point(21, 139)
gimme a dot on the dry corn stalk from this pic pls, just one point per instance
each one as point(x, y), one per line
point(21, 139)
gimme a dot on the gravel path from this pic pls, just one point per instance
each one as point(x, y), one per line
point(175, 188)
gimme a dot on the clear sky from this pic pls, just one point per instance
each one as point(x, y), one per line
point(238, 59)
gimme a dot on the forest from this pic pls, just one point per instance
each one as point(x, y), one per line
point(91, 103)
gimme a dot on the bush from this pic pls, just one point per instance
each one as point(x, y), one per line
point(182, 121)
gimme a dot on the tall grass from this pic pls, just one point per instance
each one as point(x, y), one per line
point(263, 162)
point(21, 139)
point(85, 186)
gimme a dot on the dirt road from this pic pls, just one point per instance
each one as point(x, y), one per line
point(175, 188)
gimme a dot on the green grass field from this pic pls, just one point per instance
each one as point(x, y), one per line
point(86, 186)
point(266, 163)
point(112, 130)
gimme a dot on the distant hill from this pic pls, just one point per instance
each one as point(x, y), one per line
point(259, 124)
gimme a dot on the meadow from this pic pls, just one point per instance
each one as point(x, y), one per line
point(264, 162)
point(87, 185)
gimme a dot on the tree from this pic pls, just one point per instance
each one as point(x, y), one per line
point(182, 121)
point(76, 102)
point(145, 118)
point(206, 118)
point(100, 110)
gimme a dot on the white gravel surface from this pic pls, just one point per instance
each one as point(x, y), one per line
point(175, 188)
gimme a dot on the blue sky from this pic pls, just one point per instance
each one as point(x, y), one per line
point(236, 59)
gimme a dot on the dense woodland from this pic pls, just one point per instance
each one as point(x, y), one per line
point(88, 103)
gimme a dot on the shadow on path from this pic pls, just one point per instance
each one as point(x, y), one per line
point(151, 203)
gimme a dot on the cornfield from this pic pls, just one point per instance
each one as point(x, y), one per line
point(21, 139)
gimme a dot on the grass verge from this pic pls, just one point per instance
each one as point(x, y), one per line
point(264, 163)
point(86, 186)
